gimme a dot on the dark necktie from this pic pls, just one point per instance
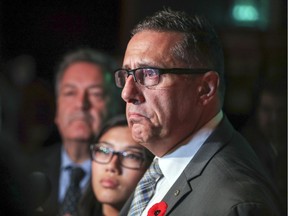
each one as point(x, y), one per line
point(73, 193)
point(145, 189)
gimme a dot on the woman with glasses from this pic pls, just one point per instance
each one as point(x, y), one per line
point(118, 163)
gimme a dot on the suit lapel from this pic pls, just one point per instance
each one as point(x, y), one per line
point(125, 209)
point(52, 166)
point(184, 184)
point(176, 192)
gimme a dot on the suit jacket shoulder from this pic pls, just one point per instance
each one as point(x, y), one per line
point(48, 162)
point(224, 178)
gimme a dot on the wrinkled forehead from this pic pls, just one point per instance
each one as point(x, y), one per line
point(151, 48)
point(82, 70)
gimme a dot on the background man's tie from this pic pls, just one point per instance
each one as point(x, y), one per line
point(73, 192)
point(145, 189)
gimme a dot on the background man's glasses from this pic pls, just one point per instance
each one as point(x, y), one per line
point(150, 76)
point(130, 159)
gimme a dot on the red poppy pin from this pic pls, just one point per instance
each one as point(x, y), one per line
point(158, 209)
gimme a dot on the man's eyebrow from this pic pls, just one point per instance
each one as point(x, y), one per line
point(96, 86)
point(68, 85)
point(72, 86)
point(140, 65)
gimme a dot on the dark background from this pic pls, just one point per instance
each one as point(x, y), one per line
point(254, 51)
point(47, 29)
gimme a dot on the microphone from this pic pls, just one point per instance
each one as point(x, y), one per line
point(38, 190)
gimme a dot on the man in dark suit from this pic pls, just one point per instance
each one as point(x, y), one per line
point(83, 91)
point(173, 86)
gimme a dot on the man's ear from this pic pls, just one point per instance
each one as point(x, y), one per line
point(208, 88)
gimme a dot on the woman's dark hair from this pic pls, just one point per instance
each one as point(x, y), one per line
point(119, 120)
point(116, 121)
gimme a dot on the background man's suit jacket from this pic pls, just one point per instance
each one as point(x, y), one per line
point(49, 162)
point(224, 178)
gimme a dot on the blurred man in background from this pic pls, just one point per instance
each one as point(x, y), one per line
point(266, 131)
point(83, 92)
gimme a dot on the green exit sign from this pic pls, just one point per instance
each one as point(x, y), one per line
point(245, 13)
point(250, 13)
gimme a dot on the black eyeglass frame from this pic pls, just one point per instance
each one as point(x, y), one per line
point(161, 71)
point(120, 154)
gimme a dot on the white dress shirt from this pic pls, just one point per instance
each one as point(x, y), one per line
point(173, 164)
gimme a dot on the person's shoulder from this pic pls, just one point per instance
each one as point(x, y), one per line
point(47, 155)
point(56, 147)
point(239, 179)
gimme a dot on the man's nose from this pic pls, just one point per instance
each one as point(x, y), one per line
point(131, 92)
point(84, 101)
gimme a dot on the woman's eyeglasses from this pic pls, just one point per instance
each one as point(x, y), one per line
point(129, 158)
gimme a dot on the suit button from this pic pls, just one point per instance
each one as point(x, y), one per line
point(177, 192)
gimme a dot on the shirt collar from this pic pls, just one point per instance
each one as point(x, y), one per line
point(173, 164)
point(67, 162)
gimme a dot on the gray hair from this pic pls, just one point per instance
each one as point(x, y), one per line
point(108, 65)
point(86, 55)
point(200, 45)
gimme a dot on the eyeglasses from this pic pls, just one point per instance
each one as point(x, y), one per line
point(149, 76)
point(130, 158)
